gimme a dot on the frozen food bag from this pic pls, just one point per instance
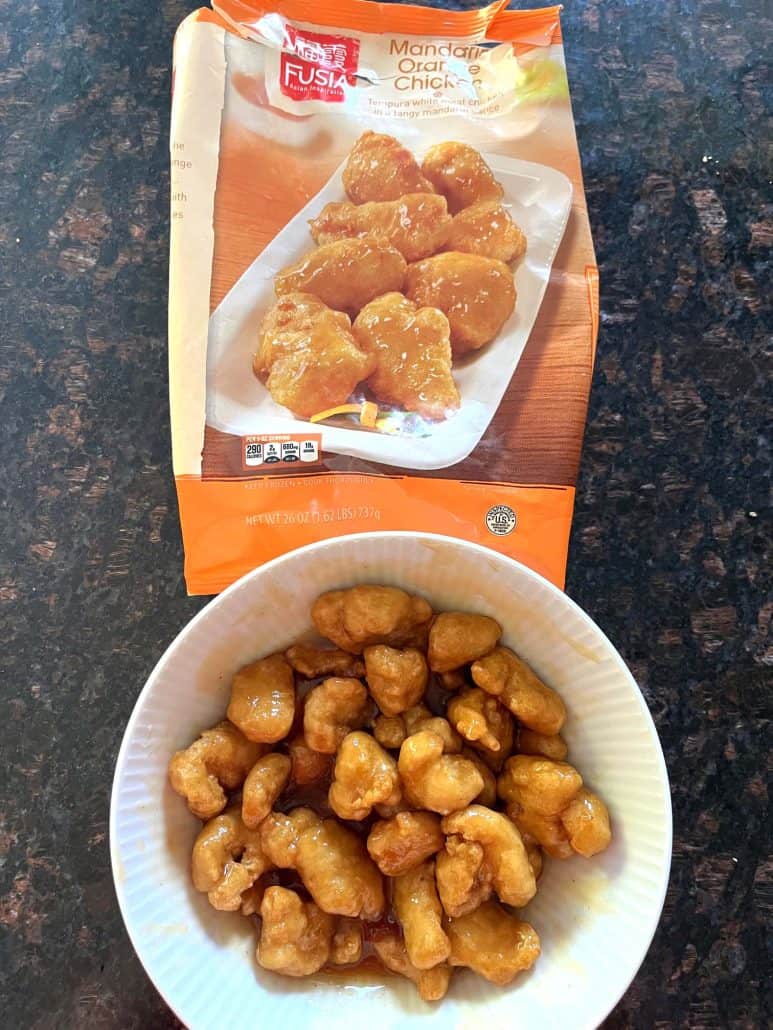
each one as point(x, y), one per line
point(383, 293)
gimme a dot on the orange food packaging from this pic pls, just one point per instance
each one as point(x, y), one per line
point(383, 293)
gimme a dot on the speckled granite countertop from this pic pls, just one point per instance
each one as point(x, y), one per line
point(672, 525)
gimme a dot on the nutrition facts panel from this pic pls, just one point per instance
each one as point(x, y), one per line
point(274, 450)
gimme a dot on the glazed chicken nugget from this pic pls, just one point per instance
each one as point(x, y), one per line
point(419, 912)
point(457, 638)
point(487, 229)
point(493, 943)
point(406, 840)
point(482, 720)
point(476, 294)
point(458, 171)
point(434, 780)
point(396, 679)
point(417, 224)
point(333, 709)
point(364, 776)
point(321, 372)
point(313, 662)
point(345, 274)
point(512, 876)
point(331, 861)
point(506, 676)
point(381, 168)
point(295, 935)
point(586, 820)
point(293, 314)
point(338, 872)
point(356, 618)
point(411, 350)
point(227, 859)
point(539, 784)
point(218, 761)
point(311, 362)
point(265, 782)
point(262, 701)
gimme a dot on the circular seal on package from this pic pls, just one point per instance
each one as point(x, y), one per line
point(501, 520)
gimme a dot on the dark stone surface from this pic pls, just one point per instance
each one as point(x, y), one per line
point(672, 530)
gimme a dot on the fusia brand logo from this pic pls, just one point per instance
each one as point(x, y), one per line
point(318, 66)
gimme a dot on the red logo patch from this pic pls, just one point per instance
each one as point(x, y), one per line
point(319, 66)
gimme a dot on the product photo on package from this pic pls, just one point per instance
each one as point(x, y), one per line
point(383, 291)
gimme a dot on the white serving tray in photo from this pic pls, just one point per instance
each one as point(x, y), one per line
point(539, 199)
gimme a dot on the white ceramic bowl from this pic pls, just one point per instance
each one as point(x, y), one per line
point(595, 917)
